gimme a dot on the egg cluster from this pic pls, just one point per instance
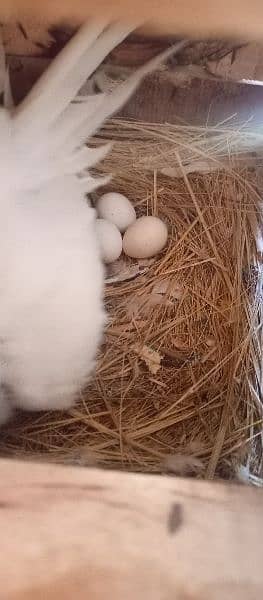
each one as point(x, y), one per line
point(142, 238)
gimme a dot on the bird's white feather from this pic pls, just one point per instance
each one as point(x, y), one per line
point(51, 274)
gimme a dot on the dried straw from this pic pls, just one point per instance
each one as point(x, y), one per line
point(178, 385)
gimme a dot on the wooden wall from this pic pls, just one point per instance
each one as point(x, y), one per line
point(205, 17)
point(70, 533)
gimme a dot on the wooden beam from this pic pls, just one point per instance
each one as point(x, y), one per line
point(73, 533)
point(163, 98)
point(202, 17)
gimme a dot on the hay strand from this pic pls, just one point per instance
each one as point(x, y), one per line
point(178, 386)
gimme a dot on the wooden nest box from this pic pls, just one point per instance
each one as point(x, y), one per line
point(74, 532)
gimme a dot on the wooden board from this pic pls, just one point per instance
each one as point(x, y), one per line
point(74, 533)
point(223, 59)
point(205, 17)
point(162, 97)
point(192, 89)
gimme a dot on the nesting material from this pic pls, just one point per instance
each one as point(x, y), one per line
point(179, 377)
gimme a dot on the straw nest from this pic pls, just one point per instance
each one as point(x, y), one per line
point(178, 381)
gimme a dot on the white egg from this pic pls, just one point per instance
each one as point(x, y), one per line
point(145, 238)
point(110, 240)
point(117, 209)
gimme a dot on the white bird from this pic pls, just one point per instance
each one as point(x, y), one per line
point(51, 275)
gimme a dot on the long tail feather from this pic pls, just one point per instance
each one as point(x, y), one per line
point(52, 80)
point(66, 75)
point(112, 102)
point(63, 126)
point(78, 122)
point(73, 118)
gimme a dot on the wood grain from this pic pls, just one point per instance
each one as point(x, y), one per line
point(205, 17)
point(162, 99)
point(94, 535)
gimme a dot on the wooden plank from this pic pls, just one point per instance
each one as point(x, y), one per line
point(196, 102)
point(224, 60)
point(208, 58)
point(162, 97)
point(205, 17)
point(74, 533)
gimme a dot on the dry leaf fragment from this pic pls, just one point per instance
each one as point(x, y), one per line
point(121, 270)
point(151, 357)
point(163, 293)
point(169, 288)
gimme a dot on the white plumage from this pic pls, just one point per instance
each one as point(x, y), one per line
point(51, 275)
